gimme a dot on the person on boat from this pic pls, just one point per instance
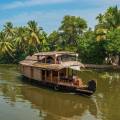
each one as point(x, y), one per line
point(58, 60)
point(77, 81)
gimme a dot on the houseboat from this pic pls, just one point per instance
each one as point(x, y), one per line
point(57, 70)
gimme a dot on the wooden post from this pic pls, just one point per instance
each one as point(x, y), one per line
point(67, 72)
point(45, 75)
point(55, 60)
point(51, 76)
point(58, 76)
point(72, 72)
point(31, 72)
point(40, 74)
point(38, 58)
point(55, 57)
point(45, 60)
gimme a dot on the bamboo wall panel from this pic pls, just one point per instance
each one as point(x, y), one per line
point(37, 74)
point(27, 71)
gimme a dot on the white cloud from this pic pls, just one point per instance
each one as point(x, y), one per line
point(29, 3)
point(51, 20)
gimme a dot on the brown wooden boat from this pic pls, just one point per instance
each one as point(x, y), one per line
point(57, 70)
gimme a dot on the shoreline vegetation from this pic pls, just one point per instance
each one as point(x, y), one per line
point(102, 67)
point(100, 45)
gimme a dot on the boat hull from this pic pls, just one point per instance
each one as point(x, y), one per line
point(59, 87)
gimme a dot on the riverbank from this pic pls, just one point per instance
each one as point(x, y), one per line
point(94, 66)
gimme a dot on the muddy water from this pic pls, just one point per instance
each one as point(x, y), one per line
point(24, 101)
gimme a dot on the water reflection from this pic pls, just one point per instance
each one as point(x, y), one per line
point(51, 104)
point(20, 100)
point(59, 104)
point(107, 94)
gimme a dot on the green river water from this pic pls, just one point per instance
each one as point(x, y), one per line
point(23, 101)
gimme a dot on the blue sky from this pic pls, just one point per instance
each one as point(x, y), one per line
point(49, 13)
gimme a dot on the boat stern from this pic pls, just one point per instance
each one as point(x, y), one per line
point(91, 85)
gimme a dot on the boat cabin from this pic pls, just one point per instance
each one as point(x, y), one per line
point(56, 57)
point(55, 67)
point(57, 70)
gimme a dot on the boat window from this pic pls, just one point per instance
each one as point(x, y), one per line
point(42, 61)
point(65, 58)
point(48, 73)
point(55, 73)
point(49, 60)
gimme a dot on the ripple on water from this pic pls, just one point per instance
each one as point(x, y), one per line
point(23, 101)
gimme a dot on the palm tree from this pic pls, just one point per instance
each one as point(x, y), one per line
point(100, 32)
point(20, 39)
point(35, 37)
point(100, 18)
point(113, 17)
point(9, 30)
point(34, 33)
point(108, 21)
point(6, 48)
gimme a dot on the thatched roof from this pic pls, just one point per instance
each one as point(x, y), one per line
point(58, 67)
point(47, 66)
point(28, 62)
point(53, 53)
point(33, 61)
point(34, 58)
point(72, 63)
point(55, 67)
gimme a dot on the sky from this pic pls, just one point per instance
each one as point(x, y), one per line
point(49, 13)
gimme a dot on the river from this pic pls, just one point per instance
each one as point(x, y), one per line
point(24, 101)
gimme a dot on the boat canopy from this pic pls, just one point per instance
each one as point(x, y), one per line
point(75, 65)
point(55, 53)
point(75, 68)
point(70, 64)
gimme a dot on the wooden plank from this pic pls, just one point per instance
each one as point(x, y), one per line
point(51, 76)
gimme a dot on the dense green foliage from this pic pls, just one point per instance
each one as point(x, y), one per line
point(94, 46)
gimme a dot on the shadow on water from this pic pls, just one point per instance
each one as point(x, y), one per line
point(36, 83)
point(61, 105)
point(52, 105)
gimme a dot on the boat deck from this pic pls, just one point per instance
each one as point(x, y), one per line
point(64, 82)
